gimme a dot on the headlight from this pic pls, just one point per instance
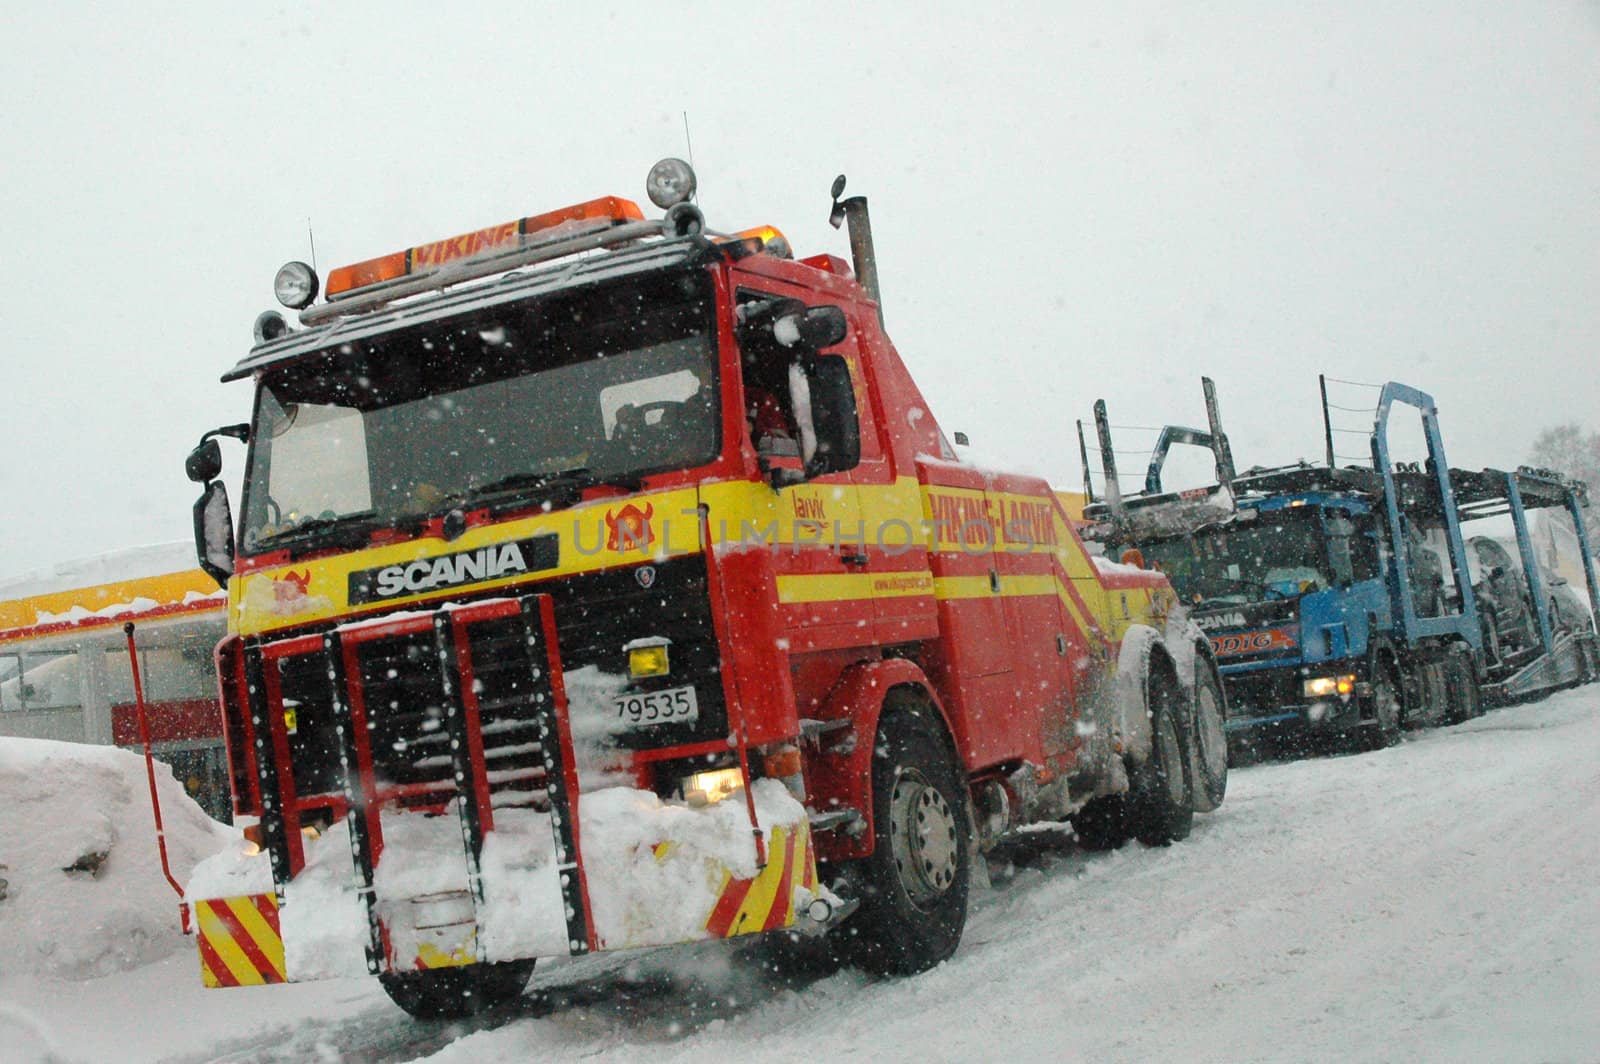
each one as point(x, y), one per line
point(1328, 686)
point(708, 788)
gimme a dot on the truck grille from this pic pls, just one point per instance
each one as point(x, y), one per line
point(454, 709)
point(400, 678)
point(403, 691)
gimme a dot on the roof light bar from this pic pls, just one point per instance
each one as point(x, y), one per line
point(425, 258)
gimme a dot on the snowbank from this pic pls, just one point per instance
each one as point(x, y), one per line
point(84, 895)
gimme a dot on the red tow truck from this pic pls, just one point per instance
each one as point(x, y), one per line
point(604, 582)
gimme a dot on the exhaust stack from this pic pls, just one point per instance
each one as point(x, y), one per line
point(862, 251)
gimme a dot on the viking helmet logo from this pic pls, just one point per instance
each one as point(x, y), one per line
point(629, 528)
point(290, 589)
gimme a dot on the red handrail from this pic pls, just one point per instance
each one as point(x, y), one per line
point(150, 774)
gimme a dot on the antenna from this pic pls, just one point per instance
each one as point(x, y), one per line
point(689, 146)
point(312, 237)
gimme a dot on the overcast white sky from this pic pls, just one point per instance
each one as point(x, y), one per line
point(1072, 201)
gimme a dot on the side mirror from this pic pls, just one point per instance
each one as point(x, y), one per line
point(794, 325)
point(822, 327)
point(213, 531)
point(204, 462)
point(834, 419)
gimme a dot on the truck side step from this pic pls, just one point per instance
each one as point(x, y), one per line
point(834, 819)
point(822, 915)
point(811, 730)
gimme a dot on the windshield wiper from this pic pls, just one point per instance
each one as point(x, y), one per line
point(349, 527)
point(566, 481)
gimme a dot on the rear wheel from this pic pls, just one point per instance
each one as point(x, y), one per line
point(455, 993)
point(1102, 824)
point(1461, 679)
point(914, 886)
point(1210, 738)
point(1161, 797)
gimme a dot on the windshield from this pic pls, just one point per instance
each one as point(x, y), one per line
point(500, 407)
point(1279, 554)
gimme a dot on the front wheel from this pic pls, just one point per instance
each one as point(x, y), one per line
point(1384, 728)
point(456, 993)
point(914, 886)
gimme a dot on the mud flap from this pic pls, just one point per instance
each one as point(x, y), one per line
point(239, 941)
point(765, 902)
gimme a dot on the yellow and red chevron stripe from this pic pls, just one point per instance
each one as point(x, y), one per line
point(240, 942)
point(766, 901)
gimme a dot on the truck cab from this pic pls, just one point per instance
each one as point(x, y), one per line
point(1294, 581)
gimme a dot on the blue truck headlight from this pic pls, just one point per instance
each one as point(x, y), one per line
point(1328, 686)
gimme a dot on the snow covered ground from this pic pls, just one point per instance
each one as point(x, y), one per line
point(1436, 901)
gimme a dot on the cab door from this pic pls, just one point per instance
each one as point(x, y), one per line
point(824, 587)
point(890, 547)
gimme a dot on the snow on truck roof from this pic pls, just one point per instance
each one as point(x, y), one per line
point(139, 583)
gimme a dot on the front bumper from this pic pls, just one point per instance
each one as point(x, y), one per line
point(498, 852)
point(1266, 702)
point(653, 873)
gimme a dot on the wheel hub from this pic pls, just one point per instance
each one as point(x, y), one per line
point(1386, 706)
point(923, 837)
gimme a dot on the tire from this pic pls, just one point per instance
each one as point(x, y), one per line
point(456, 993)
point(1210, 774)
point(1160, 792)
point(914, 887)
point(1384, 728)
point(1103, 823)
point(1461, 680)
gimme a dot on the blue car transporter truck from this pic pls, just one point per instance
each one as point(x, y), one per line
point(1341, 601)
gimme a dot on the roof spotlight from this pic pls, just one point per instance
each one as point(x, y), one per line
point(296, 285)
point(670, 182)
point(270, 326)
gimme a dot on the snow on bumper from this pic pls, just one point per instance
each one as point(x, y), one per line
point(656, 873)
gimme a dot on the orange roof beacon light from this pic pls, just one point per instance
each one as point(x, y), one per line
point(773, 242)
point(424, 258)
point(598, 223)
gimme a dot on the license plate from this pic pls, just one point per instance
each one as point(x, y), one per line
point(676, 705)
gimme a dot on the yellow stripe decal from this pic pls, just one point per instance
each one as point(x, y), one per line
point(217, 935)
point(261, 933)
